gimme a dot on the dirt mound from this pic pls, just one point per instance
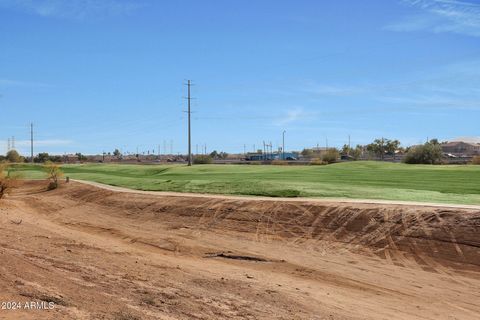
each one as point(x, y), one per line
point(443, 233)
point(102, 254)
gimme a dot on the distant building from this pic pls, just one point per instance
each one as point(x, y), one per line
point(460, 148)
point(257, 156)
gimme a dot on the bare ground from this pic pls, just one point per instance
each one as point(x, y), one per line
point(105, 254)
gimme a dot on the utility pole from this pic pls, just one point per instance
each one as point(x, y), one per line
point(189, 128)
point(31, 142)
point(283, 145)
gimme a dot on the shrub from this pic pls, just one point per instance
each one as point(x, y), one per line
point(53, 174)
point(14, 157)
point(331, 156)
point(202, 159)
point(307, 153)
point(318, 162)
point(427, 153)
point(476, 160)
point(8, 181)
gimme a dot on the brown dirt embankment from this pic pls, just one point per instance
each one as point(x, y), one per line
point(98, 253)
point(449, 234)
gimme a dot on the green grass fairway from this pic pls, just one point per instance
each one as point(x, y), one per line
point(362, 180)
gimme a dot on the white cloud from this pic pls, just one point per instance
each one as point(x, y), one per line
point(442, 16)
point(454, 86)
point(292, 116)
point(72, 9)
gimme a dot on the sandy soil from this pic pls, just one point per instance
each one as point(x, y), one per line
point(105, 254)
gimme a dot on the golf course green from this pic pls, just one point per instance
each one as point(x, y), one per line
point(456, 184)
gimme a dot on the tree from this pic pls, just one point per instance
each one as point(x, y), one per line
point(13, 156)
point(346, 149)
point(214, 154)
point(42, 157)
point(428, 153)
point(53, 173)
point(391, 146)
point(80, 156)
point(357, 152)
point(377, 147)
point(56, 158)
point(117, 153)
point(223, 155)
point(380, 147)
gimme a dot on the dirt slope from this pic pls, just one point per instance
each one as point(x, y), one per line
point(334, 201)
point(102, 254)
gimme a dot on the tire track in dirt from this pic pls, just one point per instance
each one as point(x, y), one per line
point(347, 260)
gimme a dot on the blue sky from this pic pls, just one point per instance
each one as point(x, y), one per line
point(96, 75)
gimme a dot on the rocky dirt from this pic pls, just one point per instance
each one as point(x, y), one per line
point(96, 253)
